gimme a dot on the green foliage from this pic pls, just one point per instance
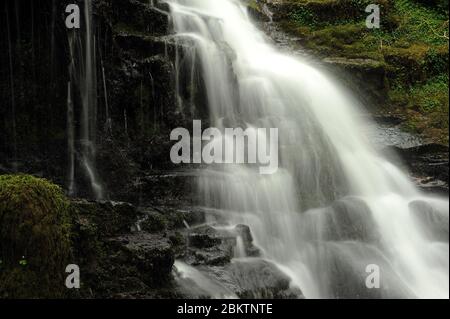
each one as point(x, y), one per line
point(431, 96)
point(412, 45)
point(34, 238)
point(304, 17)
point(436, 60)
point(427, 107)
point(418, 23)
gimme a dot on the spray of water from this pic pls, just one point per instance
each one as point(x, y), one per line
point(335, 206)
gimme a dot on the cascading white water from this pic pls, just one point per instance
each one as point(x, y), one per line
point(335, 206)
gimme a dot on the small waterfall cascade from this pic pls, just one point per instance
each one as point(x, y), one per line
point(83, 73)
point(335, 208)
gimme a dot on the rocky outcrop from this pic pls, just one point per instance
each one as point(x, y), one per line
point(144, 89)
point(126, 252)
point(255, 279)
point(428, 164)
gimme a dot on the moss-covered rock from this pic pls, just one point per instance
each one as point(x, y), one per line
point(34, 238)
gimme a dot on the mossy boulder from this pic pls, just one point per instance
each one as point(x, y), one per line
point(34, 238)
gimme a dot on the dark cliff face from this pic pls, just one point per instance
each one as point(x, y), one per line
point(138, 67)
point(33, 72)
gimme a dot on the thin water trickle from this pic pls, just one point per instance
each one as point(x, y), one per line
point(335, 205)
point(83, 73)
point(108, 124)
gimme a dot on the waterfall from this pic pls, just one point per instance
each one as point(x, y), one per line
point(108, 121)
point(83, 73)
point(335, 207)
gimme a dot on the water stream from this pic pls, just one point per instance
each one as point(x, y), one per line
point(82, 71)
point(335, 206)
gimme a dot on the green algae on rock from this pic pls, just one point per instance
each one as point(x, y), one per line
point(34, 238)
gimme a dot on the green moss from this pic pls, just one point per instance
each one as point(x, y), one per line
point(324, 13)
point(427, 107)
point(34, 238)
point(412, 44)
point(419, 23)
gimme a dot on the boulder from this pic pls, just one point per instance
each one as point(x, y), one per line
point(35, 245)
point(209, 245)
point(204, 237)
point(151, 255)
point(254, 278)
point(428, 163)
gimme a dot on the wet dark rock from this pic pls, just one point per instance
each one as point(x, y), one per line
point(142, 46)
point(193, 216)
point(435, 222)
point(426, 149)
point(351, 219)
point(244, 232)
point(141, 16)
point(210, 256)
point(260, 279)
point(151, 255)
point(428, 163)
point(388, 119)
point(207, 245)
point(109, 218)
point(431, 185)
point(356, 71)
point(255, 278)
point(166, 188)
point(118, 170)
point(118, 260)
point(162, 218)
point(204, 237)
point(153, 222)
